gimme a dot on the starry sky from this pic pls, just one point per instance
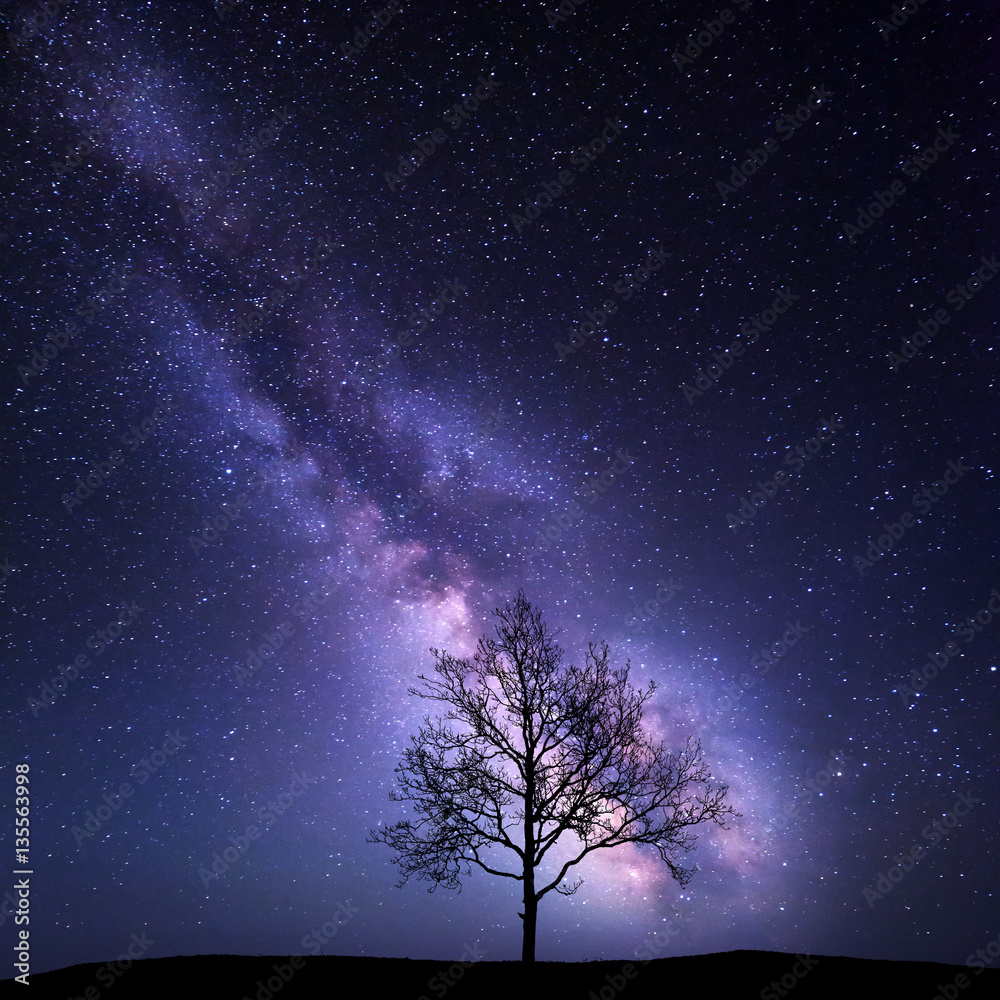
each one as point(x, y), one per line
point(682, 319)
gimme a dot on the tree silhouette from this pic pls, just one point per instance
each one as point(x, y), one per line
point(544, 751)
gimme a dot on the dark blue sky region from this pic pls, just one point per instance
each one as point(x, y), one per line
point(678, 319)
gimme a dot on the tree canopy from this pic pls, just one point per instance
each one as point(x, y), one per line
point(542, 751)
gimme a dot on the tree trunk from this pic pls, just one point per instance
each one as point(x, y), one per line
point(530, 918)
point(530, 915)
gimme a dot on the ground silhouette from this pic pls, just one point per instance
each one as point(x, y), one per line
point(733, 975)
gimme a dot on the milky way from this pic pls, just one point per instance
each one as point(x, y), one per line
point(318, 346)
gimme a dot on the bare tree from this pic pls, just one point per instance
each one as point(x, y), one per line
point(543, 751)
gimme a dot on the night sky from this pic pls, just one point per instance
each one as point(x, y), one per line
point(336, 405)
